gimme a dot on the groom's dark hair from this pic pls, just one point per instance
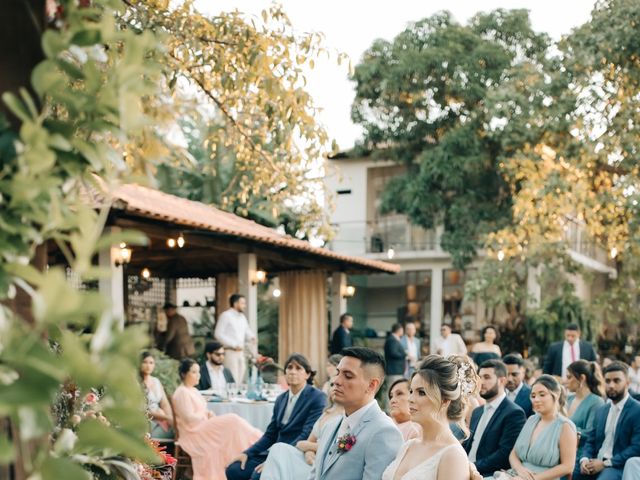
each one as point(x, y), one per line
point(368, 358)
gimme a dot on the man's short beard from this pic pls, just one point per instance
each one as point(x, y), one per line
point(490, 393)
point(617, 396)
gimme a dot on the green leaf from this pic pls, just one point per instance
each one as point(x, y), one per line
point(93, 434)
point(53, 43)
point(47, 78)
point(58, 468)
point(86, 38)
point(16, 106)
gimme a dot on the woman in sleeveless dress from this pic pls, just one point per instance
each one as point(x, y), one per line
point(487, 348)
point(158, 407)
point(546, 446)
point(439, 389)
point(211, 441)
point(584, 380)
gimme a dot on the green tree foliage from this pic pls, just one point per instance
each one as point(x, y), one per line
point(104, 109)
point(253, 142)
point(434, 99)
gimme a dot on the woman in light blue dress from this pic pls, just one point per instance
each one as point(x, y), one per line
point(547, 443)
point(584, 380)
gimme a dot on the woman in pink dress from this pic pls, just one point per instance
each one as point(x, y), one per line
point(211, 441)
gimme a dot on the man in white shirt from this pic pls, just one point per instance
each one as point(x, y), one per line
point(562, 354)
point(213, 374)
point(450, 343)
point(411, 345)
point(234, 333)
point(615, 438)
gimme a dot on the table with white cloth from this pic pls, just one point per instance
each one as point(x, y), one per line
point(257, 414)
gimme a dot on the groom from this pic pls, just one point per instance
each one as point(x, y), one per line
point(363, 442)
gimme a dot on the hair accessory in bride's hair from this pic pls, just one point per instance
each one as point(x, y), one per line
point(466, 387)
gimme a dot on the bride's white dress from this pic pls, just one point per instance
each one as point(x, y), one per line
point(427, 470)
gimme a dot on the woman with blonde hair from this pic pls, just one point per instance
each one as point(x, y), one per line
point(438, 395)
point(546, 447)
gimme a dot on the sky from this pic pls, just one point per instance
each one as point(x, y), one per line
point(352, 26)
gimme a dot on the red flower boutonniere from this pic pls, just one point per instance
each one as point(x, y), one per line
point(346, 443)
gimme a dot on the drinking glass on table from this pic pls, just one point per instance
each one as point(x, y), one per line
point(232, 391)
point(244, 388)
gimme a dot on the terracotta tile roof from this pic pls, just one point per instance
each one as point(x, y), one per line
point(151, 203)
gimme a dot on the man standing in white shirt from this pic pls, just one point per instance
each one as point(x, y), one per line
point(234, 333)
point(450, 343)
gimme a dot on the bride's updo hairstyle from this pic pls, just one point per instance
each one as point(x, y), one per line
point(452, 378)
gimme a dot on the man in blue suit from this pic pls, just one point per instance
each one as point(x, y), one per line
point(616, 435)
point(294, 414)
point(496, 425)
point(375, 440)
point(342, 335)
point(517, 389)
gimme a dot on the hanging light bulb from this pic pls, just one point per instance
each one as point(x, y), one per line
point(171, 242)
point(277, 293)
point(501, 255)
point(391, 253)
point(146, 273)
point(614, 252)
point(180, 241)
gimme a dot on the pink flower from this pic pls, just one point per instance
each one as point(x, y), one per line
point(91, 398)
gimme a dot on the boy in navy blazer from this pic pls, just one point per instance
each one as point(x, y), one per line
point(616, 435)
point(495, 426)
point(294, 414)
point(517, 389)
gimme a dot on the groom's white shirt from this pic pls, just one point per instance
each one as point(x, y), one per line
point(377, 443)
point(352, 421)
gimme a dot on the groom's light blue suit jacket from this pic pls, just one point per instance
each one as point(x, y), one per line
point(377, 443)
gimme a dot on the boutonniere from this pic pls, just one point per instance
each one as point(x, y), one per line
point(346, 443)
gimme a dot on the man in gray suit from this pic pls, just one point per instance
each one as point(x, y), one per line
point(358, 455)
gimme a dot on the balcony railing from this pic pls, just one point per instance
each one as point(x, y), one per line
point(395, 231)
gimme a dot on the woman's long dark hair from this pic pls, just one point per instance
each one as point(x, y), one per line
point(185, 366)
point(592, 373)
point(304, 363)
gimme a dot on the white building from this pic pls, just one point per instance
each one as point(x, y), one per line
point(428, 288)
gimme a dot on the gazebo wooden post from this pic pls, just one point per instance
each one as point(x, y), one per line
point(112, 287)
point(247, 266)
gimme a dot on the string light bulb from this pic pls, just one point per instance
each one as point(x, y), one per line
point(180, 241)
point(614, 252)
point(501, 255)
point(146, 273)
point(171, 242)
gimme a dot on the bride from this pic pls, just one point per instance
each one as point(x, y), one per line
point(438, 395)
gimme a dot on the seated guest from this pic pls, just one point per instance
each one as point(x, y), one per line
point(157, 403)
point(546, 446)
point(294, 414)
point(632, 469)
point(438, 394)
point(616, 436)
point(517, 390)
point(210, 440)
point(399, 410)
point(486, 349)
point(213, 374)
point(585, 382)
point(496, 425)
point(377, 440)
point(286, 462)
point(332, 370)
